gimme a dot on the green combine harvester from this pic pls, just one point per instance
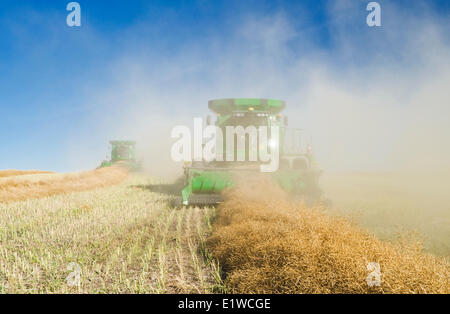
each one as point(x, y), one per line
point(297, 172)
point(123, 153)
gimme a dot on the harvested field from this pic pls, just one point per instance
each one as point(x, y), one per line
point(41, 185)
point(12, 173)
point(122, 239)
point(122, 235)
point(267, 244)
point(395, 202)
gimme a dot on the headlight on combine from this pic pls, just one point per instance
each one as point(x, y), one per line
point(273, 143)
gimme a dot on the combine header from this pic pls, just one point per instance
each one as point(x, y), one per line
point(122, 153)
point(296, 173)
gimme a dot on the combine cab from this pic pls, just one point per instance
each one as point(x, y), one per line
point(122, 153)
point(296, 173)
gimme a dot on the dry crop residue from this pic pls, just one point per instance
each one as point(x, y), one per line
point(41, 185)
point(12, 173)
point(268, 244)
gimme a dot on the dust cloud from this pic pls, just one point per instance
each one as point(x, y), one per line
point(375, 100)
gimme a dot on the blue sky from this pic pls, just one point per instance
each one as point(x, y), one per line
point(60, 87)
